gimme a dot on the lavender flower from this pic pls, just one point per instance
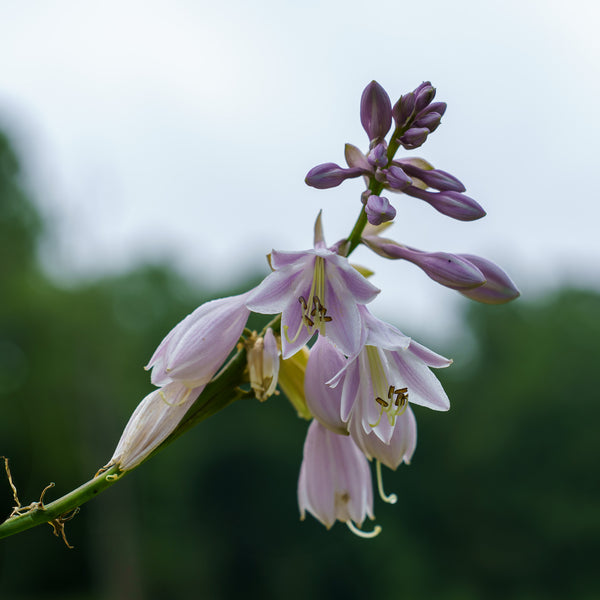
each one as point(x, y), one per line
point(375, 111)
point(379, 210)
point(335, 480)
point(154, 419)
point(314, 290)
point(389, 371)
point(329, 175)
point(452, 204)
point(498, 287)
point(193, 351)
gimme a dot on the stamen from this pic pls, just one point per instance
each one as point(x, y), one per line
point(390, 392)
point(392, 498)
point(302, 302)
point(382, 402)
point(363, 534)
point(327, 319)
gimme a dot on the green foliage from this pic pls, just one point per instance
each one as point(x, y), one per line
point(500, 501)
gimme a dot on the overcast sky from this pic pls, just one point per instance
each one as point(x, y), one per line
point(185, 129)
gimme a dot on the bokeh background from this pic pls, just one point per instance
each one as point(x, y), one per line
point(152, 153)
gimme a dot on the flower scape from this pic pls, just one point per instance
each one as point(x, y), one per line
point(353, 376)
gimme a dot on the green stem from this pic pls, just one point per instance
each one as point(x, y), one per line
point(219, 393)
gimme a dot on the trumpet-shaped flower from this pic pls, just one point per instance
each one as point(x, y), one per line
point(195, 348)
point(335, 479)
point(315, 291)
point(389, 371)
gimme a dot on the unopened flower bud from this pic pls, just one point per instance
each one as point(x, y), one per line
point(404, 109)
point(377, 157)
point(452, 204)
point(451, 270)
point(498, 288)
point(414, 137)
point(396, 178)
point(436, 107)
point(263, 364)
point(424, 94)
point(430, 121)
point(435, 178)
point(379, 210)
point(154, 419)
point(375, 111)
point(329, 175)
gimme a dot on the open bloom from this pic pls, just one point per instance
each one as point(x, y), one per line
point(335, 479)
point(314, 290)
point(378, 382)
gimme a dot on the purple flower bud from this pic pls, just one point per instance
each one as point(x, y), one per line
point(404, 109)
point(437, 107)
point(396, 178)
point(329, 175)
point(375, 111)
point(451, 270)
point(452, 204)
point(498, 288)
point(379, 210)
point(425, 93)
point(435, 178)
point(430, 121)
point(377, 157)
point(414, 137)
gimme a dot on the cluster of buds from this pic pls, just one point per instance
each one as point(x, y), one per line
point(354, 376)
point(414, 116)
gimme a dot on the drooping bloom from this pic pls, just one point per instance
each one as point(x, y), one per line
point(378, 382)
point(323, 401)
point(335, 479)
point(154, 419)
point(315, 291)
point(195, 348)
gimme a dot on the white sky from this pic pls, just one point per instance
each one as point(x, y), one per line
point(185, 129)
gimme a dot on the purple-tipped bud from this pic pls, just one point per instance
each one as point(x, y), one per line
point(414, 137)
point(396, 178)
point(379, 210)
point(498, 288)
point(435, 178)
point(375, 111)
point(452, 204)
point(329, 175)
point(404, 109)
point(451, 270)
point(430, 121)
point(356, 159)
point(377, 157)
point(425, 93)
point(436, 107)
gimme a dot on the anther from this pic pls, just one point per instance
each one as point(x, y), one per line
point(327, 319)
point(309, 321)
point(382, 402)
point(390, 392)
point(302, 302)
